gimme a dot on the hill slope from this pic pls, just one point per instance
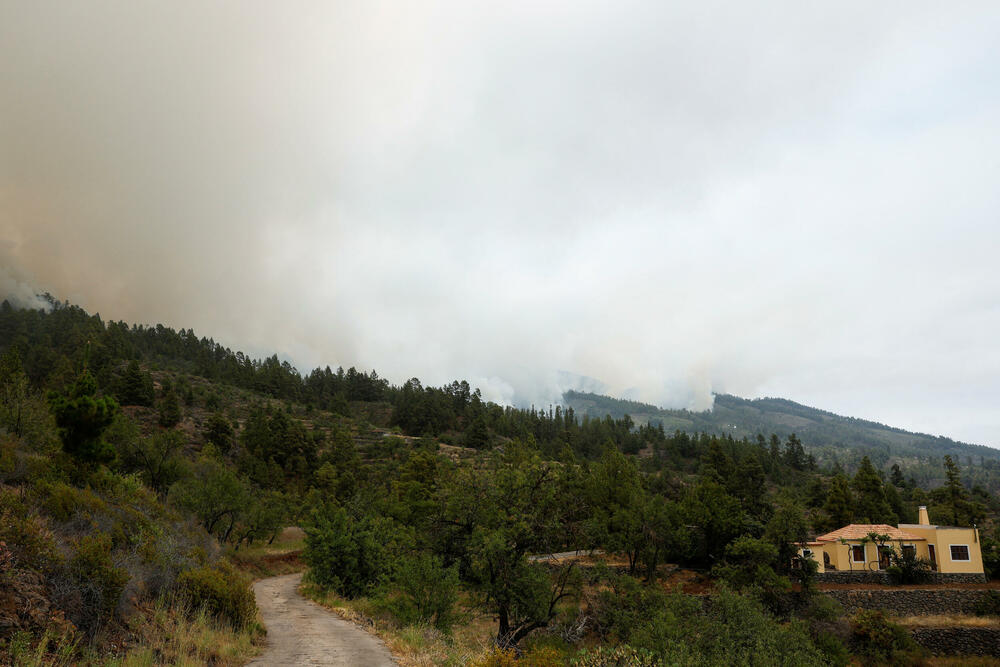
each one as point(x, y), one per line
point(824, 431)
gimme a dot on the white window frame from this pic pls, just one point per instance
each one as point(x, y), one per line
point(951, 555)
point(912, 546)
point(864, 553)
point(807, 553)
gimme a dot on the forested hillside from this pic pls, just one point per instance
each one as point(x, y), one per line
point(138, 465)
point(830, 438)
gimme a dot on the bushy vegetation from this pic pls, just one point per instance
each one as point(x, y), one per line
point(881, 641)
point(221, 591)
point(135, 460)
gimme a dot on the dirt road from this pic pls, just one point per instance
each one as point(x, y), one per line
point(300, 632)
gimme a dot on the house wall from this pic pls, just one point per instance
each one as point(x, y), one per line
point(942, 538)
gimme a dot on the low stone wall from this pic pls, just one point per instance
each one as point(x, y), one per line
point(959, 641)
point(912, 601)
point(882, 577)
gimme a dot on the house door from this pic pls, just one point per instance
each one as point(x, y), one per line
point(932, 555)
point(883, 558)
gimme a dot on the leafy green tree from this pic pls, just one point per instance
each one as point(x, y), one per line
point(501, 513)
point(615, 493)
point(787, 529)
point(262, 518)
point(82, 417)
point(157, 458)
point(748, 561)
point(715, 518)
point(213, 493)
point(219, 432)
point(350, 554)
point(665, 535)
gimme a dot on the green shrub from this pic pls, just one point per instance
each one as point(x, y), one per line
point(100, 581)
point(222, 590)
point(832, 648)
point(28, 538)
point(63, 502)
point(882, 641)
point(729, 629)
point(906, 568)
point(428, 591)
point(348, 555)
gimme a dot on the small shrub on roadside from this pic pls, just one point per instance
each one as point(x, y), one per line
point(543, 656)
point(617, 656)
point(497, 657)
point(222, 591)
point(428, 590)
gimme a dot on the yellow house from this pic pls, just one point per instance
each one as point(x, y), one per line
point(949, 549)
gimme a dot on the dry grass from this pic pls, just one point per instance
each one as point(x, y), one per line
point(949, 621)
point(172, 636)
point(962, 661)
point(165, 634)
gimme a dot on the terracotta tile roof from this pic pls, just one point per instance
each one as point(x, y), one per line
point(858, 531)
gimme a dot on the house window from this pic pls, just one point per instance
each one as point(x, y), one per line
point(807, 553)
point(960, 552)
point(857, 554)
point(909, 551)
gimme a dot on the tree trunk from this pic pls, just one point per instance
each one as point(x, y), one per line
point(503, 633)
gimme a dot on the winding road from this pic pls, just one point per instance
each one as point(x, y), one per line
point(300, 632)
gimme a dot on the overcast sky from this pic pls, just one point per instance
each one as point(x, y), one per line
point(782, 198)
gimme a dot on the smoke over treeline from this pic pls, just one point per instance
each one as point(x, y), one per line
point(669, 200)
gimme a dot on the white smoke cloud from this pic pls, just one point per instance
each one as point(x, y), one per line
point(672, 199)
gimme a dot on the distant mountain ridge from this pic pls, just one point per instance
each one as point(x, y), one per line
point(819, 429)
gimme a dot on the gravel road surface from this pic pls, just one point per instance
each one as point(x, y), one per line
point(300, 632)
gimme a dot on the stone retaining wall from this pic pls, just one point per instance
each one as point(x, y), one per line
point(959, 641)
point(911, 602)
point(882, 577)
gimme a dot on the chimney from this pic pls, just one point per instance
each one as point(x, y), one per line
point(922, 518)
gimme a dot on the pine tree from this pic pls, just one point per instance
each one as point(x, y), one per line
point(951, 501)
point(839, 505)
point(82, 417)
point(170, 410)
point(896, 476)
point(136, 386)
point(872, 506)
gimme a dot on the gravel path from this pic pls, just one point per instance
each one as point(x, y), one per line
point(300, 632)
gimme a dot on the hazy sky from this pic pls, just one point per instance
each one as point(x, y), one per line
point(785, 198)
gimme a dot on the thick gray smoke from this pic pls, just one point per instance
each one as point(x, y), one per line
point(673, 199)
